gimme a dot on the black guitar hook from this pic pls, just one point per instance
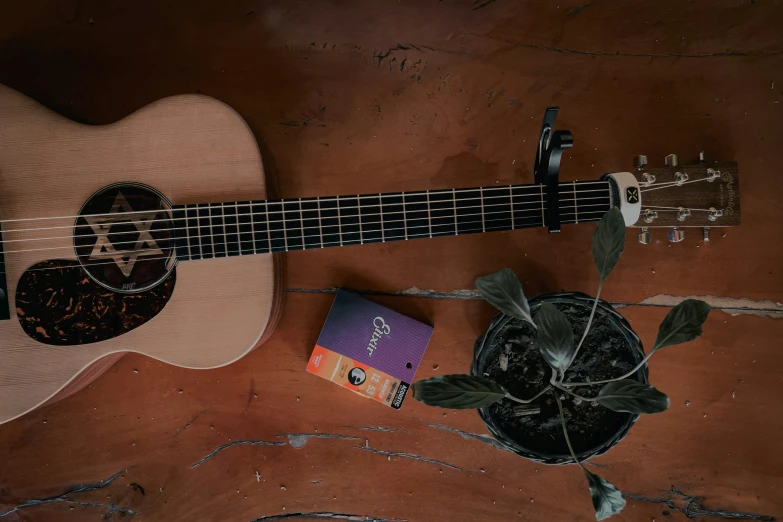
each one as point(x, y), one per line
point(551, 145)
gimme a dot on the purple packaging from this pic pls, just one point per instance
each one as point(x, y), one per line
point(369, 349)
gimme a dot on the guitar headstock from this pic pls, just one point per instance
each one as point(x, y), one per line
point(700, 195)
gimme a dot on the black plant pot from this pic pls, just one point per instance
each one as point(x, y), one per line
point(612, 342)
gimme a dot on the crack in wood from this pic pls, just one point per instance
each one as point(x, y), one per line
point(692, 508)
point(408, 292)
point(187, 425)
point(483, 4)
point(565, 50)
point(390, 454)
point(491, 441)
point(238, 443)
point(111, 507)
point(485, 439)
point(327, 515)
point(731, 305)
point(378, 428)
point(298, 440)
point(596, 465)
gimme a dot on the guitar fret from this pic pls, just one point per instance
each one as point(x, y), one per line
point(285, 232)
point(276, 225)
point(359, 213)
point(339, 221)
point(192, 215)
point(543, 207)
point(310, 222)
point(394, 228)
point(301, 222)
point(223, 224)
point(245, 231)
point(404, 217)
point(320, 222)
point(187, 232)
point(441, 211)
point(330, 221)
point(417, 215)
point(209, 235)
point(252, 227)
point(429, 212)
point(262, 241)
point(454, 198)
point(230, 220)
point(292, 216)
point(370, 218)
point(576, 209)
point(483, 223)
point(380, 209)
point(497, 213)
point(511, 203)
point(239, 232)
point(179, 236)
point(349, 220)
point(268, 232)
point(467, 222)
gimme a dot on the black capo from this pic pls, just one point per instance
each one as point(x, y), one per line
point(551, 145)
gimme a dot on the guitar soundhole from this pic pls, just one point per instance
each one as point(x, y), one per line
point(122, 238)
point(57, 303)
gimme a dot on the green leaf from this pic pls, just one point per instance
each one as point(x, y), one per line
point(504, 291)
point(607, 499)
point(682, 323)
point(608, 242)
point(459, 392)
point(632, 396)
point(555, 337)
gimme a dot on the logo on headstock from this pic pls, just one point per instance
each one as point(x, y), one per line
point(632, 194)
point(124, 258)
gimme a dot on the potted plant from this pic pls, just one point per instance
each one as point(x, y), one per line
point(538, 376)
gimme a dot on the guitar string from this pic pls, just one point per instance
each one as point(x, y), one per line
point(671, 184)
point(251, 214)
point(535, 189)
point(325, 245)
point(293, 228)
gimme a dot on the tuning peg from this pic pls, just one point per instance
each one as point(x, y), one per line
point(672, 160)
point(640, 161)
point(702, 157)
point(644, 236)
point(676, 235)
point(706, 234)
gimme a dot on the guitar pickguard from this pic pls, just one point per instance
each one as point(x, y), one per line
point(57, 303)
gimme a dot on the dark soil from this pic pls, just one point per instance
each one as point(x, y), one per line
point(605, 354)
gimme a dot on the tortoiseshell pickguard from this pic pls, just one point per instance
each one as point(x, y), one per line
point(58, 304)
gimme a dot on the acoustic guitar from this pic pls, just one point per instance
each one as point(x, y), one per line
point(155, 234)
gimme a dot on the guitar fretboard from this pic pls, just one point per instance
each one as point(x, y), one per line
point(208, 230)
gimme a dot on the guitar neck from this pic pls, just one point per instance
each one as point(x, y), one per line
point(208, 230)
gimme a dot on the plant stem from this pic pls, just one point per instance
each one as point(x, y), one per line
point(589, 322)
point(528, 401)
point(568, 441)
point(569, 392)
point(616, 378)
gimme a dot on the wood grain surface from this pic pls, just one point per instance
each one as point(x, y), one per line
point(366, 96)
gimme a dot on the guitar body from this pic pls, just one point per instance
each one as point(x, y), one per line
point(205, 314)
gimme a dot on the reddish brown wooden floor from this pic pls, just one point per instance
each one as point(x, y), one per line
point(378, 96)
